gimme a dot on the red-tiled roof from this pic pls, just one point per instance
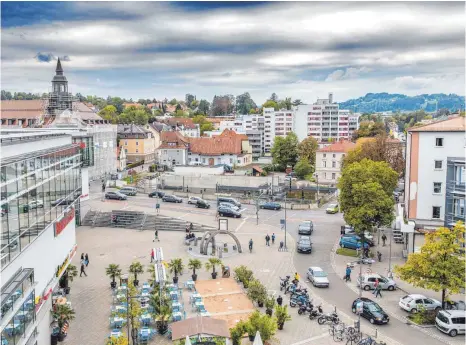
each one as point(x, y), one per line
point(21, 109)
point(454, 124)
point(200, 325)
point(340, 146)
point(173, 140)
point(226, 143)
point(181, 121)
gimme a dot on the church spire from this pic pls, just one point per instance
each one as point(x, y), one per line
point(59, 69)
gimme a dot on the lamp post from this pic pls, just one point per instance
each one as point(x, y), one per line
point(285, 223)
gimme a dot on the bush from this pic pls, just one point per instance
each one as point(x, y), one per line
point(257, 292)
point(266, 325)
point(423, 316)
point(347, 252)
point(243, 275)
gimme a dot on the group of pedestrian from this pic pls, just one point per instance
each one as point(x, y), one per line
point(267, 239)
point(84, 264)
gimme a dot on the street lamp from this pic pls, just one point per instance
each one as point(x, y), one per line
point(317, 181)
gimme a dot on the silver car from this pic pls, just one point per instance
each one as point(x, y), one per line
point(317, 277)
point(231, 206)
point(413, 303)
point(368, 282)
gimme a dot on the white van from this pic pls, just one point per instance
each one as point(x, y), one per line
point(128, 191)
point(451, 322)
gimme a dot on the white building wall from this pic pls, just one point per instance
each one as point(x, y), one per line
point(428, 153)
point(328, 166)
point(168, 155)
point(223, 159)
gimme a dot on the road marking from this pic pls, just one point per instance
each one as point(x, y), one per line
point(183, 215)
point(244, 209)
point(305, 341)
point(241, 225)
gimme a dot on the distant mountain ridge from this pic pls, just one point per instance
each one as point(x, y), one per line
point(378, 102)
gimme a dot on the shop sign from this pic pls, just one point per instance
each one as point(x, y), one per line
point(61, 224)
point(65, 263)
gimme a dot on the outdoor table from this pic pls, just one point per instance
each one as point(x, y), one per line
point(122, 288)
point(176, 306)
point(145, 293)
point(120, 309)
point(146, 318)
point(145, 285)
point(117, 321)
point(121, 296)
point(143, 299)
point(177, 316)
point(115, 333)
point(205, 313)
point(174, 295)
point(190, 284)
point(145, 306)
point(195, 295)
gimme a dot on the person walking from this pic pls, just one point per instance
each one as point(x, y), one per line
point(273, 238)
point(279, 300)
point(250, 245)
point(280, 249)
point(267, 240)
point(86, 259)
point(384, 239)
point(376, 285)
point(152, 255)
point(156, 236)
point(157, 207)
point(378, 289)
point(82, 269)
point(82, 256)
point(348, 273)
point(379, 256)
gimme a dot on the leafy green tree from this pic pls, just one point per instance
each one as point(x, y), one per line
point(136, 268)
point(178, 107)
point(204, 107)
point(189, 98)
point(285, 150)
point(265, 324)
point(440, 264)
point(173, 101)
point(366, 194)
point(281, 314)
point(180, 113)
point(199, 119)
point(194, 104)
point(369, 129)
point(252, 111)
point(109, 113)
point(273, 97)
point(244, 103)
point(206, 126)
point(307, 150)
point(303, 168)
point(270, 104)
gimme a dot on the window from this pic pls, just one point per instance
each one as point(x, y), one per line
point(459, 174)
point(165, 151)
point(438, 165)
point(334, 155)
point(231, 160)
point(203, 160)
point(436, 212)
point(325, 155)
point(325, 163)
point(325, 175)
point(197, 159)
point(459, 320)
point(137, 151)
point(439, 142)
point(137, 143)
point(126, 142)
point(126, 150)
point(334, 164)
point(334, 176)
point(437, 187)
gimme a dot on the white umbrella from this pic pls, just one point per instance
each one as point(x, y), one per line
point(188, 341)
point(257, 339)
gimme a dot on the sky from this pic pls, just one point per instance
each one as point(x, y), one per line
point(302, 50)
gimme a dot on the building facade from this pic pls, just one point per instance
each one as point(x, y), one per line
point(455, 193)
point(329, 160)
point(41, 185)
point(138, 143)
point(434, 175)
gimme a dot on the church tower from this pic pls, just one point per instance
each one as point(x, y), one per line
point(59, 99)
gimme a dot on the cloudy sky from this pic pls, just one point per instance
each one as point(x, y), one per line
point(298, 49)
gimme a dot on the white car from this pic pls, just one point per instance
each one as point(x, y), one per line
point(317, 277)
point(231, 206)
point(193, 200)
point(412, 303)
point(350, 230)
point(36, 204)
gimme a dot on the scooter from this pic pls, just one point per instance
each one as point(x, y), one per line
point(305, 308)
point(315, 312)
point(328, 318)
point(298, 301)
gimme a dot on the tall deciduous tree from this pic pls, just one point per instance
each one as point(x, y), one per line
point(274, 97)
point(189, 98)
point(303, 168)
point(204, 107)
point(173, 101)
point(271, 104)
point(366, 194)
point(285, 150)
point(244, 103)
point(439, 265)
point(133, 114)
point(109, 113)
point(381, 148)
point(222, 105)
point(307, 150)
point(369, 129)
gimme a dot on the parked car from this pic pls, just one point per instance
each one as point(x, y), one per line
point(202, 204)
point(304, 237)
point(226, 204)
point(193, 200)
point(332, 209)
point(228, 212)
point(351, 242)
point(36, 204)
point(304, 246)
point(371, 311)
point(61, 201)
point(349, 230)
point(172, 198)
point(156, 194)
point(128, 191)
point(317, 277)
point(115, 195)
point(368, 280)
point(271, 206)
point(451, 322)
point(412, 303)
point(223, 199)
point(369, 241)
point(306, 227)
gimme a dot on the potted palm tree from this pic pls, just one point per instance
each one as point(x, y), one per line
point(69, 275)
point(211, 264)
point(113, 271)
point(269, 304)
point(281, 314)
point(136, 268)
point(162, 311)
point(175, 266)
point(194, 264)
point(63, 315)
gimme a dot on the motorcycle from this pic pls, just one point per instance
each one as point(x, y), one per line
point(315, 312)
point(305, 308)
point(284, 282)
point(298, 301)
point(328, 318)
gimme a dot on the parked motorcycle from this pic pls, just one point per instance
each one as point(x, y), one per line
point(328, 318)
point(298, 301)
point(305, 308)
point(316, 312)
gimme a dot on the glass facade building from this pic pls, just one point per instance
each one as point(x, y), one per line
point(36, 188)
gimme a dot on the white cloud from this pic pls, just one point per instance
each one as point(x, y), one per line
point(349, 73)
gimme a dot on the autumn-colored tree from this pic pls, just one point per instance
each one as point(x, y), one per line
point(369, 129)
point(440, 265)
point(379, 149)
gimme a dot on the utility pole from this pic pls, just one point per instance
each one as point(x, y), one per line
point(285, 224)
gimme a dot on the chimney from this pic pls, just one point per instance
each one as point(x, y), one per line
point(330, 97)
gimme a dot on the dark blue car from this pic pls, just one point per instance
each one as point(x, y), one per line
point(271, 206)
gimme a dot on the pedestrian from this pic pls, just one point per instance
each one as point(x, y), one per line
point(250, 245)
point(217, 215)
point(82, 256)
point(273, 238)
point(156, 236)
point(280, 249)
point(279, 300)
point(296, 277)
point(86, 259)
point(157, 207)
point(366, 252)
point(191, 227)
point(384, 238)
point(267, 240)
point(376, 285)
point(378, 290)
point(82, 269)
point(348, 273)
point(152, 255)
point(379, 256)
